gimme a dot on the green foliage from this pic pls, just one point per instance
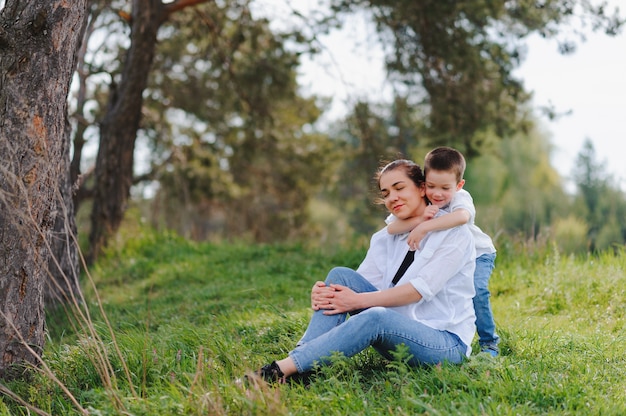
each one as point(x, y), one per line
point(234, 151)
point(457, 59)
point(244, 161)
point(226, 138)
point(570, 235)
point(611, 235)
point(601, 203)
point(532, 192)
point(371, 135)
point(190, 319)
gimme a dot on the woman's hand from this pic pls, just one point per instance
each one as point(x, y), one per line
point(342, 299)
point(334, 299)
point(320, 295)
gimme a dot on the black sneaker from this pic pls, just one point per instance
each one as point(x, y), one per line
point(304, 379)
point(271, 373)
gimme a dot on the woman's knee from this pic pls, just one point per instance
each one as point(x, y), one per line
point(339, 275)
point(374, 315)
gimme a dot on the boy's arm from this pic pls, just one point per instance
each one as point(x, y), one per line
point(455, 218)
point(398, 226)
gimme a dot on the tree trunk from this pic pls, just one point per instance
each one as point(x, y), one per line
point(63, 285)
point(38, 40)
point(118, 129)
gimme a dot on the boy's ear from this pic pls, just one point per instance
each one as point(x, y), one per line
point(459, 185)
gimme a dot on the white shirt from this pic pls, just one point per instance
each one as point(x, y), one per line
point(442, 272)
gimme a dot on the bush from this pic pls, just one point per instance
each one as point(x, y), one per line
point(570, 235)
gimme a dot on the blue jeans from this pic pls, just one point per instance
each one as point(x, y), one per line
point(485, 324)
point(382, 328)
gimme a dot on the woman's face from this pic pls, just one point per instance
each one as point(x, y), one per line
point(402, 197)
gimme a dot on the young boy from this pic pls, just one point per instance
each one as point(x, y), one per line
point(444, 168)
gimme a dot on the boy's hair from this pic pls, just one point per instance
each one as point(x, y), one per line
point(446, 159)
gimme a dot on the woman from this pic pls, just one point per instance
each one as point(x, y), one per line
point(429, 309)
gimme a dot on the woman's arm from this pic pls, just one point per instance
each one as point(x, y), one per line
point(344, 299)
point(451, 253)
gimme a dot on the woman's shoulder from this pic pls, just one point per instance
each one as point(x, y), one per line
point(381, 234)
point(453, 235)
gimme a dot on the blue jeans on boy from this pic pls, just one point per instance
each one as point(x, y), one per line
point(485, 324)
point(382, 328)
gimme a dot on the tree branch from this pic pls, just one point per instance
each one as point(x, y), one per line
point(181, 4)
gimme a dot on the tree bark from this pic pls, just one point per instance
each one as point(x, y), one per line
point(38, 41)
point(63, 285)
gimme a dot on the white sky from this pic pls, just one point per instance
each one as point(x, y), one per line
point(591, 83)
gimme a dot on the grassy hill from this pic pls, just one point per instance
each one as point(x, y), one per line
point(182, 321)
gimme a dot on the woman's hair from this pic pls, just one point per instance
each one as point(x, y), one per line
point(411, 169)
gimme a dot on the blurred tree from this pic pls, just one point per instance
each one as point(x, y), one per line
point(453, 63)
point(38, 42)
point(231, 143)
point(119, 126)
point(598, 201)
point(218, 94)
point(571, 235)
point(457, 59)
point(526, 188)
point(220, 85)
point(371, 135)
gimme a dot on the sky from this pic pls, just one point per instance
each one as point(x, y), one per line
point(592, 84)
point(589, 85)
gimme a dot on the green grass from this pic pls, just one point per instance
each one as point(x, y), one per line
point(189, 319)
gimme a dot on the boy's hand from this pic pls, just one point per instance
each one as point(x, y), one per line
point(415, 237)
point(430, 212)
point(418, 233)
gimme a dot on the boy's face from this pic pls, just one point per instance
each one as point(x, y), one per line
point(441, 186)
